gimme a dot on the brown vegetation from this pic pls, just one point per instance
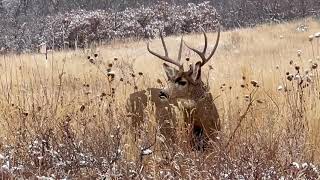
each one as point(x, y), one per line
point(64, 118)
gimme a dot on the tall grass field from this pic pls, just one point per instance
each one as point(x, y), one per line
point(66, 118)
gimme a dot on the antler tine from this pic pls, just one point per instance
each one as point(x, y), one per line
point(180, 50)
point(203, 53)
point(216, 45)
point(205, 41)
point(165, 57)
point(164, 45)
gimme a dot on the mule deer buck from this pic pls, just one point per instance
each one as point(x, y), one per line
point(184, 89)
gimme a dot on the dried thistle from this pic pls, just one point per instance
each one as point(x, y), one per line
point(259, 101)
point(291, 62)
point(254, 83)
point(82, 108)
point(299, 52)
point(111, 75)
point(159, 82)
point(310, 38)
point(91, 61)
point(314, 66)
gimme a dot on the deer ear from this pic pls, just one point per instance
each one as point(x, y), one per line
point(170, 71)
point(196, 74)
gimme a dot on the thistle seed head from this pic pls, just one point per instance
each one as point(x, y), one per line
point(310, 38)
point(314, 66)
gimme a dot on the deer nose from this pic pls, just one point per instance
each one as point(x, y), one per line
point(163, 95)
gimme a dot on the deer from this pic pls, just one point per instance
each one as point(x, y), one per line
point(185, 90)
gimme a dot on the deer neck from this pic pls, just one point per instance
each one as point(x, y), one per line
point(193, 97)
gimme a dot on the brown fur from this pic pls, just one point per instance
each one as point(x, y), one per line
point(186, 89)
point(164, 113)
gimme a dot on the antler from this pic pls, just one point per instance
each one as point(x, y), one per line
point(166, 56)
point(203, 53)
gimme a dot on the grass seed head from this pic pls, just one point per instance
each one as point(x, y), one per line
point(299, 53)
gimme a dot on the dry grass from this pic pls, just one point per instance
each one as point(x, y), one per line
point(65, 119)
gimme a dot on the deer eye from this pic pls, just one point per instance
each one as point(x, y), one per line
point(182, 83)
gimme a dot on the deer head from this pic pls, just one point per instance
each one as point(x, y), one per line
point(184, 84)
